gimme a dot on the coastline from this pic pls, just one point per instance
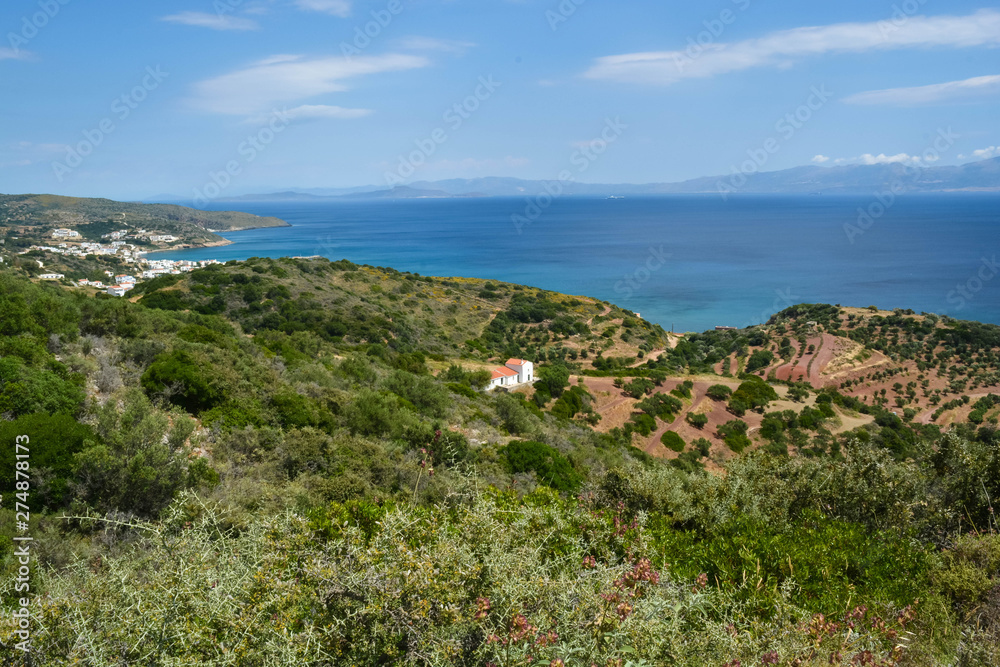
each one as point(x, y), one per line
point(190, 246)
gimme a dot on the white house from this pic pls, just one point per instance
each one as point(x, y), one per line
point(525, 370)
point(52, 276)
point(515, 372)
point(65, 234)
point(502, 377)
point(118, 290)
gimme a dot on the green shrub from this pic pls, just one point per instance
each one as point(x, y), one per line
point(514, 414)
point(53, 442)
point(673, 441)
point(183, 379)
point(25, 390)
point(753, 394)
point(719, 392)
point(697, 420)
point(759, 359)
point(552, 468)
point(638, 387)
point(642, 423)
point(131, 469)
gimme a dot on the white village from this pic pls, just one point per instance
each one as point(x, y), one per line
point(67, 242)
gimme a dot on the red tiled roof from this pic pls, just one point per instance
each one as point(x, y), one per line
point(502, 373)
point(516, 362)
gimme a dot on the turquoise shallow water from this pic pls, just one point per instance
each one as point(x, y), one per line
point(691, 262)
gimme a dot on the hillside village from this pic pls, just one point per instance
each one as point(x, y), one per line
point(114, 244)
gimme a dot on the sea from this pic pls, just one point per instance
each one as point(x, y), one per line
point(686, 262)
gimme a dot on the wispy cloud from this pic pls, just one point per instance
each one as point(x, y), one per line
point(290, 79)
point(882, 158)
point(313, 112)
point(467, 166)
point(213, 21)
point(334, 7)
point(13, 54)
point(820, 159)
point(415, 43)
point(785, 47)
point(982, 154)
point(975, 87)
point(25, 153)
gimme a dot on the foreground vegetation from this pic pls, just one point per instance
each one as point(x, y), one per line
point(288, 462)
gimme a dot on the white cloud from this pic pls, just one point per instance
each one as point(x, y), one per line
point(313, 112)
point(288, 79)
point(213, 21)
point(335, 7)
point(820, 159)
point(938, 92)
point(882, 158)
point(982, 154)
point(785, 47)
point(25, 153)
point(13, 54)
point(468, 165)
point(415, 43)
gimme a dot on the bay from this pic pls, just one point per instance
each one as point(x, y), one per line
point(687, 262)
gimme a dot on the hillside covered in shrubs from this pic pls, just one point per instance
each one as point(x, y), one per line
point(292, 462)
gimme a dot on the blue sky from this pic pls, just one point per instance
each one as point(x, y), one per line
point(167, 97)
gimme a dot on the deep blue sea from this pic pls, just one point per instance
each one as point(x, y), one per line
point(690, 262)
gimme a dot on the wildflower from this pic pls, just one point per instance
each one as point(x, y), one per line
point(521, 629)
point(907, 615)
point(863, 658)
point(589, 562)
point(769, 658)
point(557, 663)
point(482, 608)
point(549, 638)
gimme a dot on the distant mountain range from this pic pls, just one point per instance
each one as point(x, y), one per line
point(983, 176)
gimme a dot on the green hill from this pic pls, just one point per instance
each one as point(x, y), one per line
point(291, 462)
point(39, 214)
